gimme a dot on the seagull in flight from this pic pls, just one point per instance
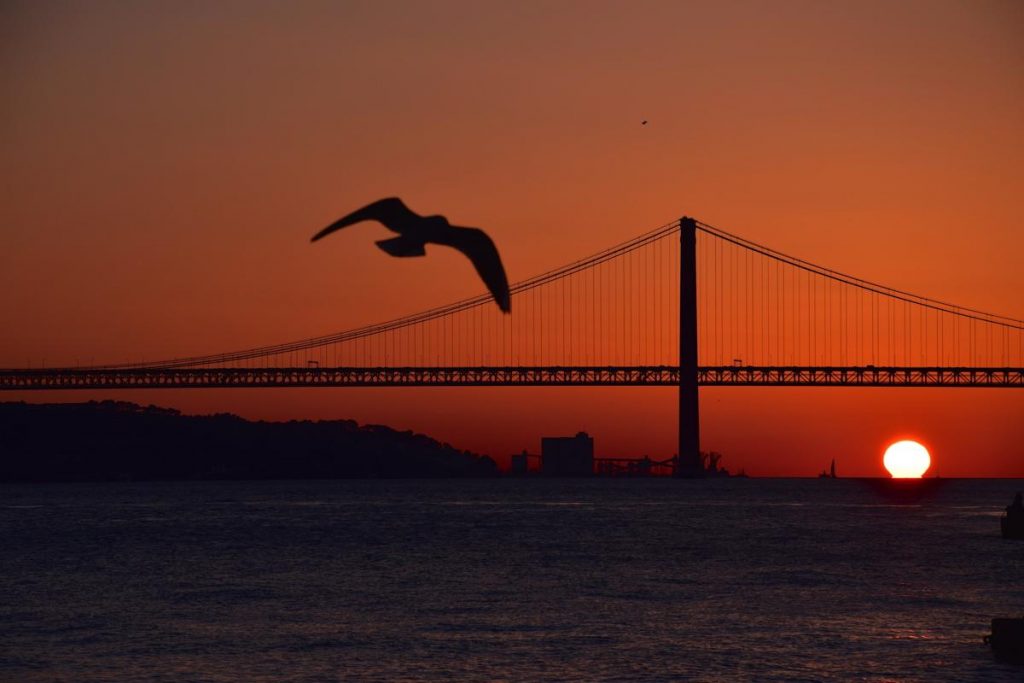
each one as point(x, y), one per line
point(415, 231)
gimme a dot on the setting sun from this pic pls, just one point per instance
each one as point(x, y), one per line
point(906, 460)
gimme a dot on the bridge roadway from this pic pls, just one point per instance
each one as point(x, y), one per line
point(660, 375)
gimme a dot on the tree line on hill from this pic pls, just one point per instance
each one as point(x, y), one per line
point(116, 440)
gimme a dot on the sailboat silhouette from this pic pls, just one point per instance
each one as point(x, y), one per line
point(831, 474)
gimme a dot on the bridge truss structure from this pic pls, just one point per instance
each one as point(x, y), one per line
point(609, 376)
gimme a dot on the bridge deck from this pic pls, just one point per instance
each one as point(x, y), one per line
point(206, 378)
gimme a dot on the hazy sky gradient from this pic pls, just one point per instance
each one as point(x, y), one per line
point(164, 164)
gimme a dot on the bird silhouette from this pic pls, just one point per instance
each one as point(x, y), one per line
point(415, 231)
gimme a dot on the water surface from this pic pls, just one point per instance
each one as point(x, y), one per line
point(768, 580)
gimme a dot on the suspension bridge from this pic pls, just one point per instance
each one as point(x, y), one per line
point(684, 305)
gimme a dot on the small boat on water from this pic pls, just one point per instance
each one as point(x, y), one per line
point(1012, 527)
point(1012, 523)
point(831, 474)
point(1007, 639)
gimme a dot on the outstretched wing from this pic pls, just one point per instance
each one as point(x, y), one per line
point(480, 249)
point(392, 212)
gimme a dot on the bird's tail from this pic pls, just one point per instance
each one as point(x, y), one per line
point(402, 246)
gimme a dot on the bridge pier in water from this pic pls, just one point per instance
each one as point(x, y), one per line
point(689, 462)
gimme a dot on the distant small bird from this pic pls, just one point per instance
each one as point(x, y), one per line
point(644, 122)
point(415, 231)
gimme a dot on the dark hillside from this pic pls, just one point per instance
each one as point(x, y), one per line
point(111, 440)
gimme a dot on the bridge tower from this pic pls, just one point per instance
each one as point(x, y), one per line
point(689, 463)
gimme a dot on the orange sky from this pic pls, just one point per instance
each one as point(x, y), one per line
point(164, 164)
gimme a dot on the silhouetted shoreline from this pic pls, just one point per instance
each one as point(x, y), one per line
point(123, 441)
